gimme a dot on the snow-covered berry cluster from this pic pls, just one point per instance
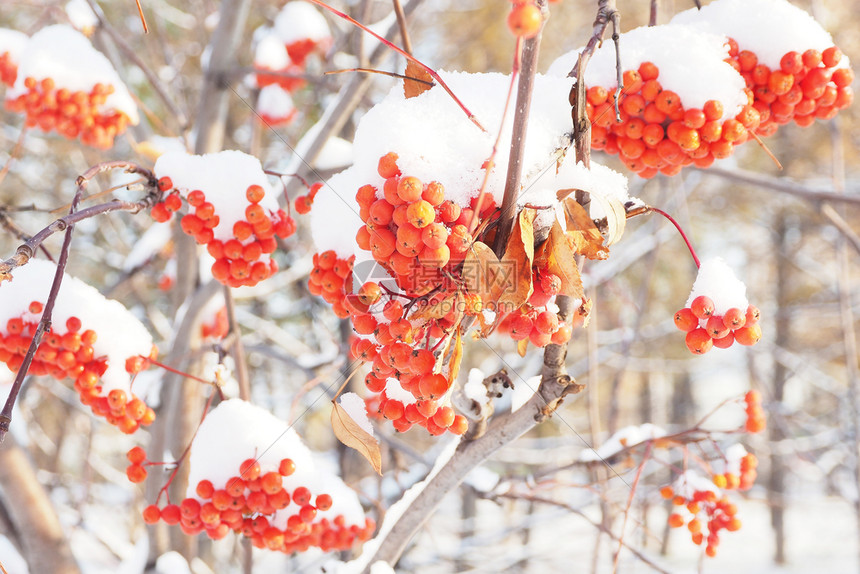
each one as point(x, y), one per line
point(708, 507)
point(89, 342)
point(711, 80)
point(282, 503)
point(231, 209)
point(63, 84)
point(786, 58)
point(721, 317)
point(281, 58)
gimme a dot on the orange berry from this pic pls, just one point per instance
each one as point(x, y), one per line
point(525, 20)
point(699, 341)
point(748, 335)
point(388, 166)
point(702, 307)
point(409, 189)
point(676, 520)
point(420, 213)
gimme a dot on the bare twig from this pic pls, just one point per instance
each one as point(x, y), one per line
point(606, 13)
point(406, 55)
point(401, 23)
point(26, 251)
point(652, 17)
point(784, 185)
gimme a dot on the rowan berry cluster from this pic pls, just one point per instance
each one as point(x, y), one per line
point(533, 321)
point(806, 86)
point(304, 203)
point(705, 329)
point(70, 354)
point(256, 505)
point(243, 259)
point(299, 32)
point(72, 114)
point(756, 420)
point(710, 510)
point(655, 133)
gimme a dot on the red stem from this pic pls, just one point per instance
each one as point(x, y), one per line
point(681, 231)
point(405, 54)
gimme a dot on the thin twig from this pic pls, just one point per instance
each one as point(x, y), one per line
point(784, 185)
point(680, 230)
point(606, 13)
point(383, 73)
point(401, 23)
point(26, 251)
point(645, 458)
point(406, 55)
point(652, 17)
point(236, 348)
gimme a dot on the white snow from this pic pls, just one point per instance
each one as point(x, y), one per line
point(271, 53)
point(120, 334)
point(335, 154)
point(147, 246)
point(334, 218)
point(81, 15)
point(275, 103)
point(622, 439)
point(690, 482)
point(691, 64)
point(12, 42)
point(734, 454)
point(523, 392)
point(300, 21)
point(717, 280)
point(474, 387)
point(236, 430)
point(393, 390)
point(357, 410)
point(65, 55)
point(770, 28)
point(223, 177)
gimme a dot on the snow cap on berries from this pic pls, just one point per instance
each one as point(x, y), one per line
point(300, 21)
point(12, 42)
point(770, 28)
point(691, 63)
point(275, 104)
point(120, 334)
point(223, 177)
point(717, 281)
point(271, 54)
point(66, 56)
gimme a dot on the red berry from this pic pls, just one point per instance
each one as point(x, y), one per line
point(136, 455)
point(702, 307)
point(249, 469)
point(171, 514)
point(287, 467)
point(685, 320)
point(135, 473)
point(525, 20)
point(699, 341)
point(151, 514)
point(205, 489)
point(301, 496)
point(324, 502)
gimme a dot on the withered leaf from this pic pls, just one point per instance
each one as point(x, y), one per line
point(556, 255)
point(456, 357)
point(522, 346)
point(616, 217)
point(517, 262)
point(587, 239)
point(481, 269)
point(352, 435)
point(417, 81)
point(436, 310)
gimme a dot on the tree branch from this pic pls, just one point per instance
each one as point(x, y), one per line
point(554, 386)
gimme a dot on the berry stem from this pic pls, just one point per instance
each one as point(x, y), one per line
point(178, 372)
point(680, 230)
point(406, 55)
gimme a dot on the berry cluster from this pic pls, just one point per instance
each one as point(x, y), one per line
point(70, 354)
point(706, 505)
point(654, 132)
point(256, 505)
point(756, 420)
point(71, 114)
point(806, 86)
point(705, 329)
point(243, 259)
point(533, 321)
